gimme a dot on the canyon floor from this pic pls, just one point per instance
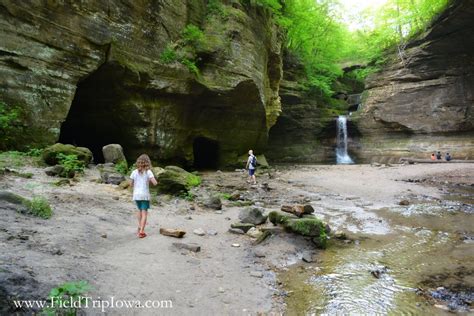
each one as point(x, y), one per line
point(422, 246)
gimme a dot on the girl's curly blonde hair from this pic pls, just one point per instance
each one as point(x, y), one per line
point(143, 163)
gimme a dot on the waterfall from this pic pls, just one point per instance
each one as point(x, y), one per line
point(341, 147)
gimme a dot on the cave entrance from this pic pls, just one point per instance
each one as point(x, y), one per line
point(98, 115)
point(206, 153)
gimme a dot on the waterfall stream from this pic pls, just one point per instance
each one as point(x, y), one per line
point(342, 157)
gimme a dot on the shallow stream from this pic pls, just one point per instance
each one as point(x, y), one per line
point(430, 247)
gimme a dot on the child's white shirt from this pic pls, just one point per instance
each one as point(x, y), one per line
point(141, 185)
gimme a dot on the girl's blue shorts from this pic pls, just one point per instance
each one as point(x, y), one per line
point(142, 205)
point(251, 172)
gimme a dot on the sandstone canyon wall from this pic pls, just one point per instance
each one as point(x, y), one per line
point(90, 73)
point(424, 102)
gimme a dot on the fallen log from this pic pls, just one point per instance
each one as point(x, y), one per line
point(416, 160)
point(298, 210)
point(172, 232)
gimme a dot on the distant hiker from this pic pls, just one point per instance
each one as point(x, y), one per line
point(141, 177)
point(433, 157)
point(252, 167)
point(448, 157)
point(438, 155)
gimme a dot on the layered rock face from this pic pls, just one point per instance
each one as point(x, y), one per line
point(424, 102)
point(89, 73)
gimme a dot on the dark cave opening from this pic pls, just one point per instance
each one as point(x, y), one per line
point(97, 116)
point(206, 153)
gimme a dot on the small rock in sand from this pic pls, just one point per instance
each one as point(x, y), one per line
point(256, 274)
point(221, 290)
point(103, 235)
point(254, 232)
point(253, 215)
point(236, 245)
point(404, 202)
point(307, 256)
point(199, 232)
point(211, 232)
point(259, 253)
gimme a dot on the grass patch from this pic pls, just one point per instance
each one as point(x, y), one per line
point(122, 167)
point(188, 196)
point(39, 206)
point(71, 165)
point(225, 196)
point(67, 294)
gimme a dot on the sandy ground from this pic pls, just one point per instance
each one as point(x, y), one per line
point(92, 235)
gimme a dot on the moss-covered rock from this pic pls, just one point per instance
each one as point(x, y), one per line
point(176, 180)
point(37, 206)
point(50, 154)
point(309, 227)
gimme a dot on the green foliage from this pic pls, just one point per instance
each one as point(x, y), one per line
point(34, 152)
point(12, 158)
point(122, 167)
point(215, 7)
point(192, 35)
point(11, 118)
point(273, 5)
point(71, 165)
point(188, 196)
point(362, 73)
point(185, 49)
point(67, 292)
point(389, 28)
point(193, 180)
point(40, 207)
point(225, 196)
point(315, 37)
point(168, 56)
point(191, 65)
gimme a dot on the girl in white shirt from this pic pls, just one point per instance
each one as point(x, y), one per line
point(141, 177)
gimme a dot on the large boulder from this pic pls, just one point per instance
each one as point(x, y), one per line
point(50, 154)
point(252, 215)
point(176, 180)
point(113, 153)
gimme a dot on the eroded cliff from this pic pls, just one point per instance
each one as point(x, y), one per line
point(91, 73)
point(422, 101)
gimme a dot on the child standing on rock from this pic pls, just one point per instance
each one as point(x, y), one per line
point(141, 177)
